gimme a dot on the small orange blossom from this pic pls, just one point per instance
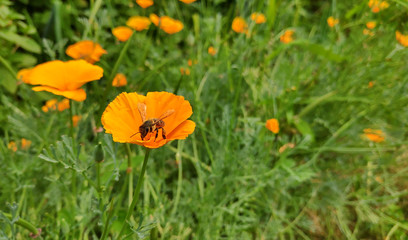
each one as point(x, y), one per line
point(76, 119)
point(371, 24)
point(331, 21)
point(63, 78)
point(286, 37)
point(258, 18)
point(25, 144)
point(53, 104)
point(122, 33)
point(401, 38)
point(377, 5)
point(374, 135)
point(12, 146)
point(212, 51)
point(88, 50)
point(239, 25)
point(185, 71)
point(122, 119)
point(138, 23)
point(187, 1)
point(273, 125)
point(145, 3)
point(119, 80)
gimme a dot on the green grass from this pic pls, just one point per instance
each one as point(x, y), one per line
point(228, 179)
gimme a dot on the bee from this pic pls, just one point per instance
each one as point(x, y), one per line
point(153, 124)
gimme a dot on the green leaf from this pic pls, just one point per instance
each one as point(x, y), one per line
point(22, 41)
point(7, 80)
point(22, 60)
point(305, 129)
point(319, 50)
point(48, 159)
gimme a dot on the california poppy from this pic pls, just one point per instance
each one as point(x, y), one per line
point(377, 5)
point(119, 80)
point(374, 135)
point(76, 119)
point(12, 146)
point(331, 21)
point(273, 125)
point(138, 23)
point(258, 18)
point(286, 37)
point(53, 104)
point(371, 24)
point(88, 50)
point(122, 33)
point(239, 25)
point(63, 78)
point(167, 24)
point(25, 144)
point(124, 117)
point(187, 1)
point(401, 38)
point(144, 3)
point(212, 51)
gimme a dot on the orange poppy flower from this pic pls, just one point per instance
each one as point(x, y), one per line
point(54, 104)
point(374, 135)
point(370, 84)
point(371, 24)
point(167, 24)
point(145, 3)
point(331, 21)
point(124, 116)
point(187, 1)
point(88, 50)
point(76, 119)
point(25, 144)
point(138, 23)
point(212, 51)
point(122, 33)
point(286, 37)
point(119, 80)
point(401, 38)
point(12, 146)
point(273, 125)
point(258, 18)
point(185, 71)
point(63, 78)
point(23, 75)
point(239, 25)
point(377, 5)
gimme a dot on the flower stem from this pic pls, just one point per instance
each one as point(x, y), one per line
point(106, 228)
point(178, 85)
point(23, 223)
point(136, 194)
point(71, 133)
point(129, 172)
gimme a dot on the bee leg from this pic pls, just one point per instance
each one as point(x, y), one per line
point(163, 133)
point(157, 134)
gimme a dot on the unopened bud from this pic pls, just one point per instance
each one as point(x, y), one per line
point(98, 153)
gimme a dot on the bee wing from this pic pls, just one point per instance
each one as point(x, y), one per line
point(142, 110)
point(166, 114)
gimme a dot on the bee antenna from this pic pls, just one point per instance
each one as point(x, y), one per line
point(134, 134)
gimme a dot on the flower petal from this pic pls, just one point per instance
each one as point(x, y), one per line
point(77, 94)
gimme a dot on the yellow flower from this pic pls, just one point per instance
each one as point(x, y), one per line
point(187, 1)
point(134, 118)
point(239, 25)
point(374, 135)
point(371, 24)
point(76, 119)
point(377, 5)
point(145, 3)
point(258, 18)
point(331, 21)
point(138, 23)
point(12, 146)
point(273, 125)
point(286, 37)
point(25, 144)
point(119, 80)
point(212, 51)
point(122, 33)
point(88, 50)
point(63, 78)
point(402, 39)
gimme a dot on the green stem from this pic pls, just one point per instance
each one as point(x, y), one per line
point(106, 228)
point(8, 67)
point(116, 66)
point(136, 194)
point(178, 85)
point(129, 172)
point(98, 180)
point(95, 8)
point(23, 223)
point(57, 27)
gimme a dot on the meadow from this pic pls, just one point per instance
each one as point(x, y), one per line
point(284, 119)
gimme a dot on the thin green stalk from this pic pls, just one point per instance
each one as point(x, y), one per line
point(136, 195)
point(180, 177)
point(106, 228)
point(178, 85)
point(57, 26)
point(8, 66)
point(116, 66)
point(98, 180)
point(71, 133)
point(23, 223)
point(94, 10)
point(129, 171)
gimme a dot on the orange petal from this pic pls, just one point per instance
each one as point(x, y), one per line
point(64, 76)
point(77, 94)
point(122, 33)
point(138, 23)
point(88, 50)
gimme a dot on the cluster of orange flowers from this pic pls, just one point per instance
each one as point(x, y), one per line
point(239, 25)
point(377, 5)
point(24, 144)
